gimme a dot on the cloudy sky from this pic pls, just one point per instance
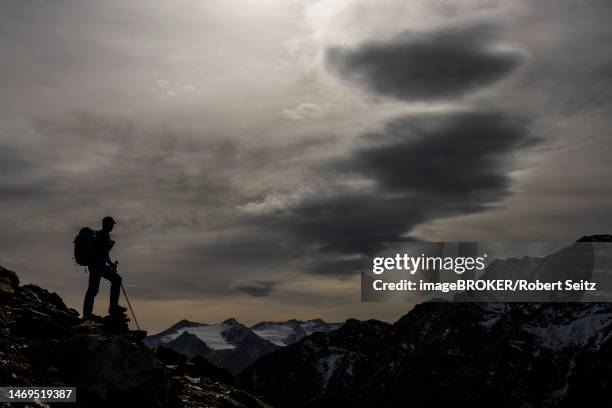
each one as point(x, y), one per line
point(247, 148)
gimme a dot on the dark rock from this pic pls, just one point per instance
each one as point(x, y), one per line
point(168, 356)
point(596, 238)
point(35, 325)
point(38, 295)
point(189, 345)
point(107, 370)
point(232, 322)
point(6, 290)
point(116, 323)
point(244, 398)
point(201, 367)
point(10, 277)
point(249, 348)
point(137, 334)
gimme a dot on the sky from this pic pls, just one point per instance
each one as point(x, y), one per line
point(248, 148)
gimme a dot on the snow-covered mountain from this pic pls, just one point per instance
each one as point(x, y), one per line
point(286, 333)
point(232, 345)
point(214, 336)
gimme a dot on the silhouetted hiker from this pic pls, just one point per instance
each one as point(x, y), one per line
point(102, 267)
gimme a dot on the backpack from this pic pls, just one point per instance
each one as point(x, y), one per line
point(84, 246)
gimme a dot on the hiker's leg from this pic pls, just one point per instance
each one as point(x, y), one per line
point(92, 291)
point(115, 289)
point(115, 281)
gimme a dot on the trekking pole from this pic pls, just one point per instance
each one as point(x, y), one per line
point(131, 310)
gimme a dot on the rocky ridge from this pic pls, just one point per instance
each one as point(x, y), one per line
point(45, 343)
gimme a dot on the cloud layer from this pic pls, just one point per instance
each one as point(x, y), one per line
point(417, 168)
point(427, 65)
point(457, 156)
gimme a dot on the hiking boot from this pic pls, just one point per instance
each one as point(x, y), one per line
point(116, 309)
point(92, 317)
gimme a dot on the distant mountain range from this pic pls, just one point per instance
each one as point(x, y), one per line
point(455, 354)
point(449, 355)
point(232, 345)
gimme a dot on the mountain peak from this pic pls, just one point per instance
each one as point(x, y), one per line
point(185, 323)
point(181, 324)
point(189, 344)
point(596, 238)
point(232, 322)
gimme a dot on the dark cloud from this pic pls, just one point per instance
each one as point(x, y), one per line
point(255, 288)
point(342, 222)
point(448, 156)
point(426, 66)
point(423, 167)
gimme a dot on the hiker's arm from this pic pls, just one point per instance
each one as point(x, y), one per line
point(109, 245)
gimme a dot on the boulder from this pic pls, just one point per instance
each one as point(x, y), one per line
point(10, 277)
point(6, 290)
point(110, 370)
point(8, 283)
point(36, 325)
point(169, 356)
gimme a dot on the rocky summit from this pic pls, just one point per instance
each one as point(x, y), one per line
point(44, 343)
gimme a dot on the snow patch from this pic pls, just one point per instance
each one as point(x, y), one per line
point(327, 366)
point(280, 333)
point(276, 334)
point(315, 327)
point(576, 333)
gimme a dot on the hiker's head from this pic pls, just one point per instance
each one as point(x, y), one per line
point(108, 223)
